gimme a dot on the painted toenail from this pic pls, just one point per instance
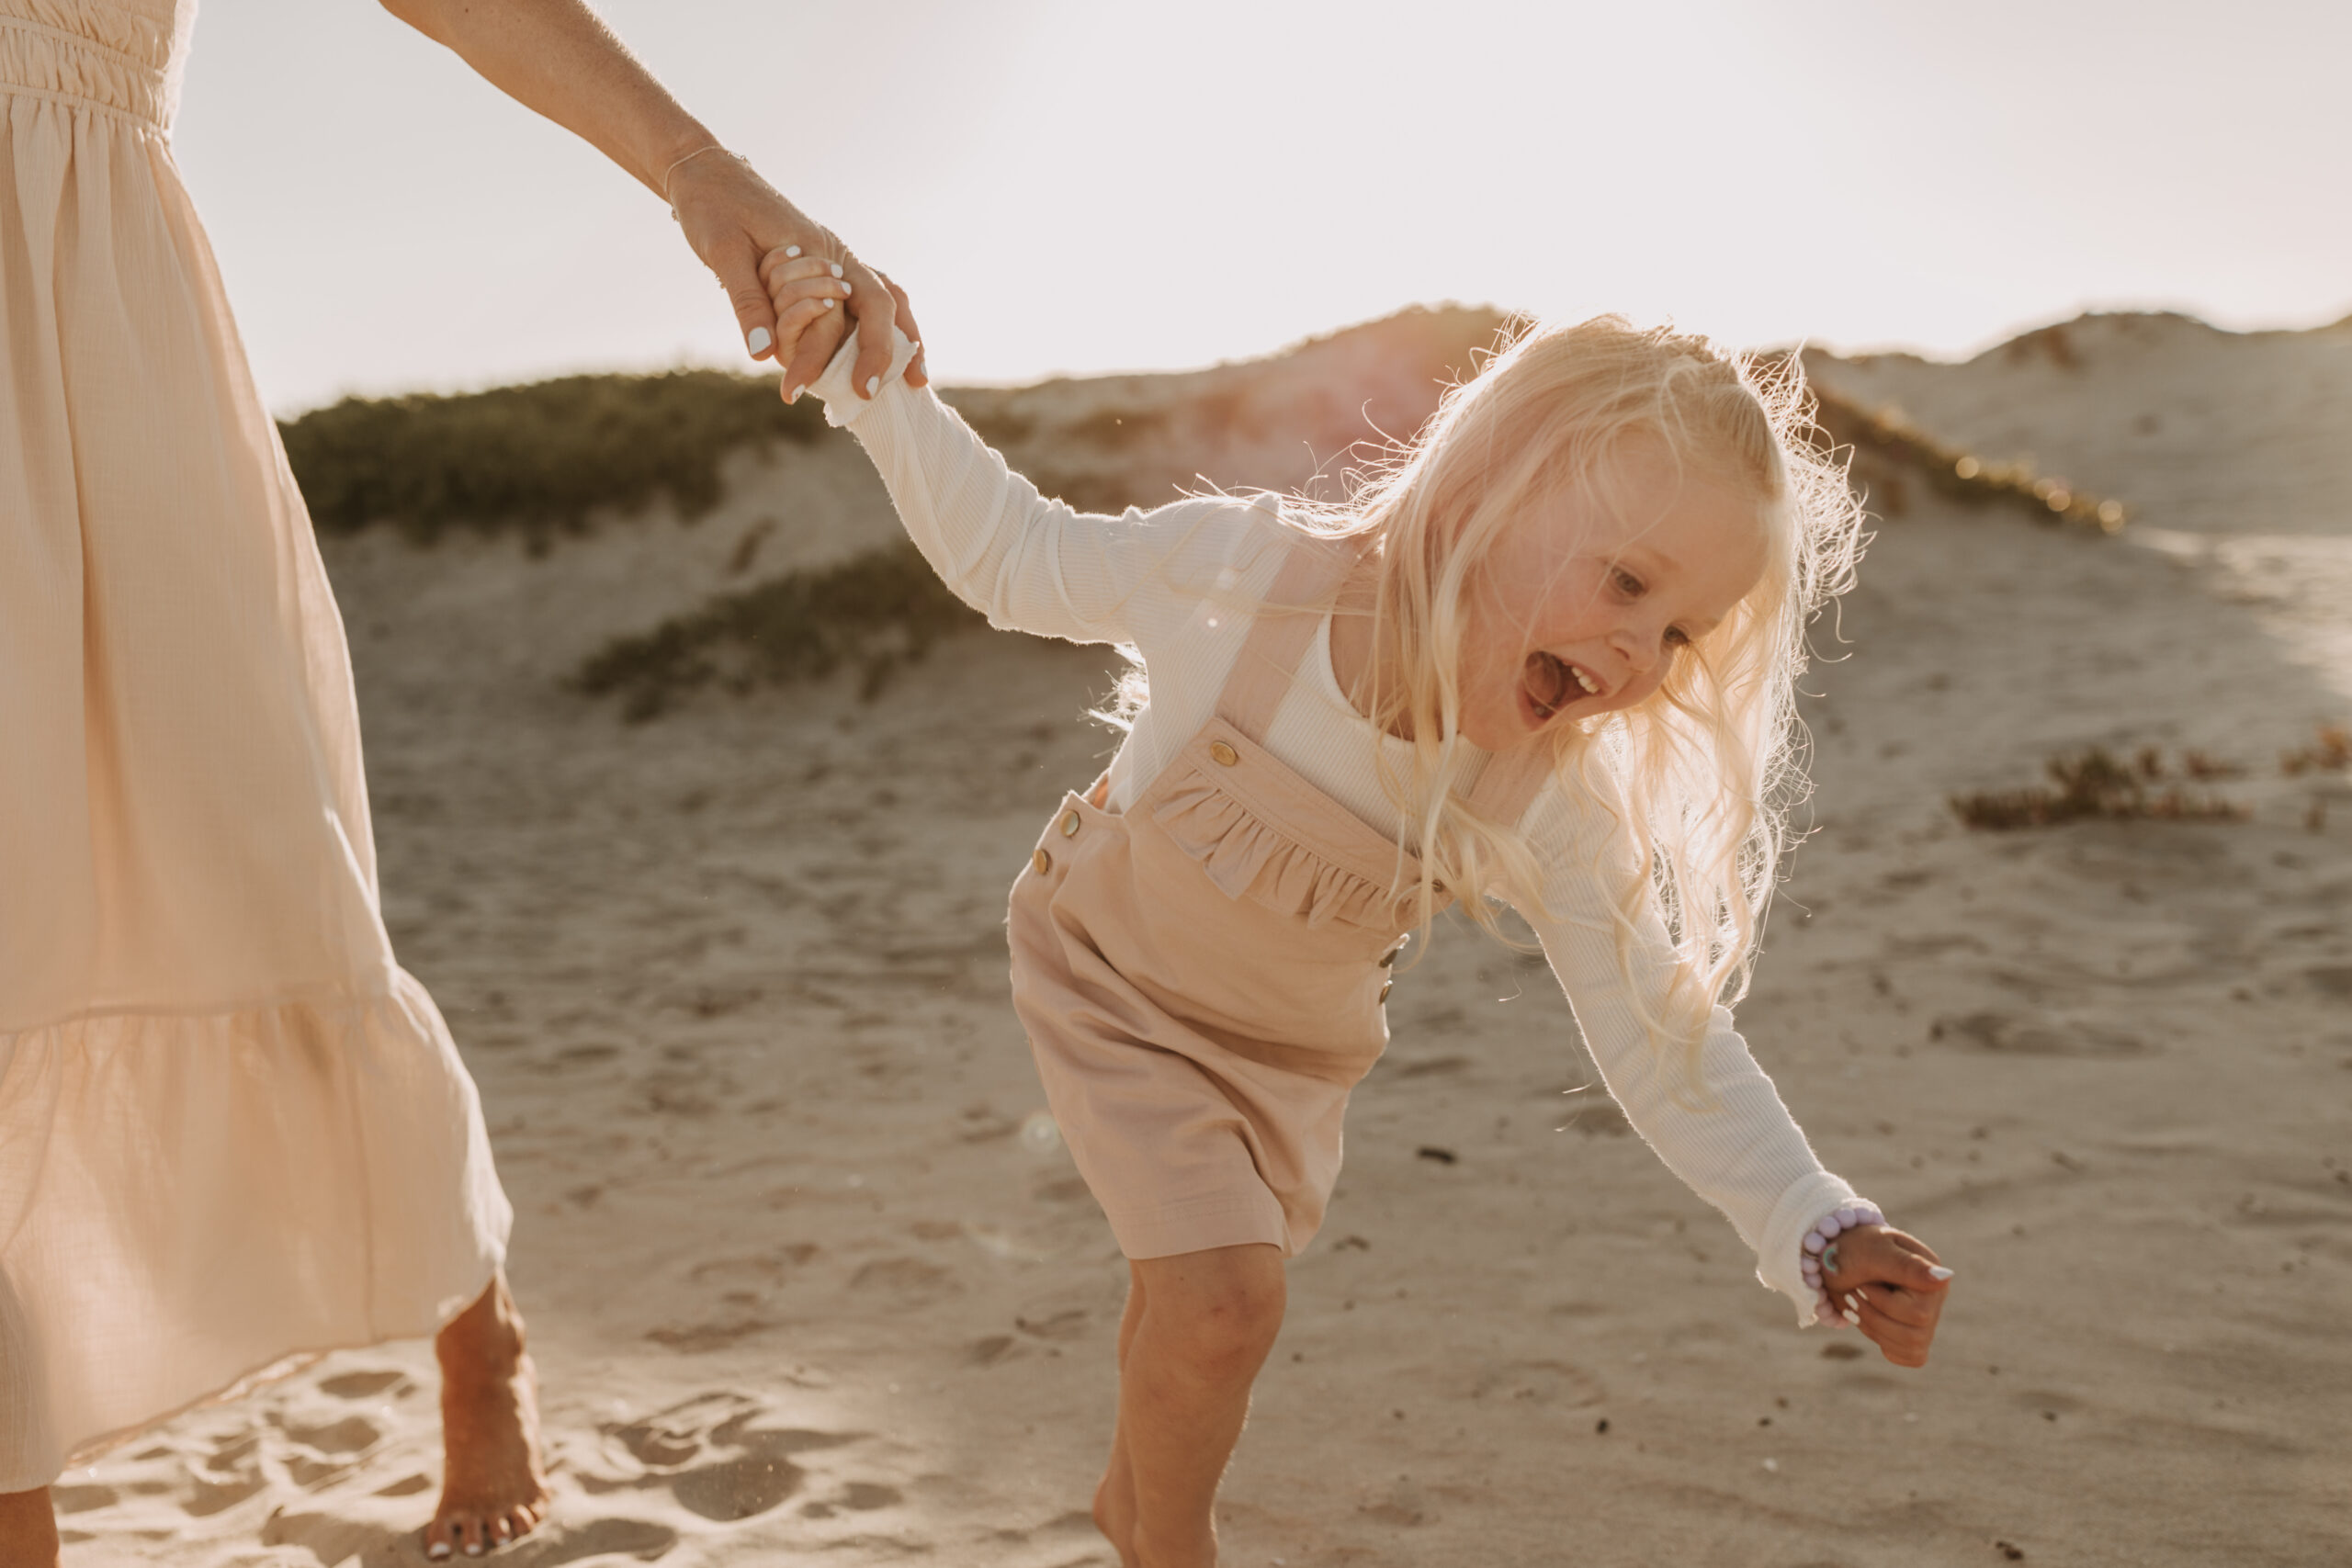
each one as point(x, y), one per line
point(437, 1550)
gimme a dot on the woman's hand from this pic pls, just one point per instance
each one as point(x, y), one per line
point(558, 57)
point(733, 218)
point(1890, 1286)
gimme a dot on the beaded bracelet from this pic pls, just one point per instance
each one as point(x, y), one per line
point(1821, 1248)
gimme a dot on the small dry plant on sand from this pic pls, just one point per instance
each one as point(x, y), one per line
point(875, 612)
point(2096, 784)
point(2329, 752)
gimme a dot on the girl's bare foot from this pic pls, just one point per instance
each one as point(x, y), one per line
point(1114, 1507)
point(27, 1530)
point(492, 1487)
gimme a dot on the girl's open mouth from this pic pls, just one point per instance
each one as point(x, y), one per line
point(1553, 683)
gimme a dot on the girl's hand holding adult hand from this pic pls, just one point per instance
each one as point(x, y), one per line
point(735, 221)
point(1889, 1285)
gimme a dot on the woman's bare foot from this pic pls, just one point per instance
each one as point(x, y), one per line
point(27, 1530)
point(493, 1488)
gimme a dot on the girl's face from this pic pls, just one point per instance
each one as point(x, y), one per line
point(1582, 608)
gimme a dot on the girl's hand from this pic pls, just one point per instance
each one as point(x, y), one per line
point(733, 218)
point(1886, 1284)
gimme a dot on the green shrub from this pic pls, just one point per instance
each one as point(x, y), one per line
point(537, 457)
point(875, 611)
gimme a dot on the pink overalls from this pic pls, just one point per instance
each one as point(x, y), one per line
point(1202, 977)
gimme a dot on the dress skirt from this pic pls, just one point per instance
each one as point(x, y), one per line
point(232, 1131)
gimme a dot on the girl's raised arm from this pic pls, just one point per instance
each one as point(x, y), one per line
point(1028, 563)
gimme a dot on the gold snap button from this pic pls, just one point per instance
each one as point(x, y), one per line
point(1387, 987)
point(1043, 862)
point(1225, 755)
point(1070, 825)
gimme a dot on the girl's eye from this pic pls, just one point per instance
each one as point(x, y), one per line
point(1628, 584)
point(1677, 637)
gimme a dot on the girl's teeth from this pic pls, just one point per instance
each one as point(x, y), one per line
point(1591, 689)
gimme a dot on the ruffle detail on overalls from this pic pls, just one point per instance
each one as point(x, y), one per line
point(1247, 857)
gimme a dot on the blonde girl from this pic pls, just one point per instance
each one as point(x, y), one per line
point(1547, 659)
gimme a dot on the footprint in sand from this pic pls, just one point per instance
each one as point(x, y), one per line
point(719, 1459)
point(340, 1471)
point(2048, 1034)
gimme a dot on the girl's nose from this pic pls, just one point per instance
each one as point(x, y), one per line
point(1639, 646)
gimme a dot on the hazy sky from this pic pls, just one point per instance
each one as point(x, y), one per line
point(1087, 184)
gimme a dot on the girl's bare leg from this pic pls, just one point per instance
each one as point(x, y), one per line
point(27, 1530)
point(492, 1487)
point(1206, 1321)
point(1114, 1500)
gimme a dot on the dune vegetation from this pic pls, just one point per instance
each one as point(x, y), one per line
point(874, 613)
point(542, 459)
point(537, 458)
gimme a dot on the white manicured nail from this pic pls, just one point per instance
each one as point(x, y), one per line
point(837, 269)
point(437, 1550)
point(830, 303)
point(793, 396)
point(761, 340)
point(790, 251)
point(1852, 1317)
point(1938, 1271)
point(1850, 1299)
point(873, 385)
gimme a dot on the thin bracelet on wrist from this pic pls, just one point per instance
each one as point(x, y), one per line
point(673, 169)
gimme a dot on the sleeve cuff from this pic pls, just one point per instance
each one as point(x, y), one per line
point(844, 407)
point(1807, 1199)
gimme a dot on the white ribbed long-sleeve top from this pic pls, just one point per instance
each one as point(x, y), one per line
point(1177, 584)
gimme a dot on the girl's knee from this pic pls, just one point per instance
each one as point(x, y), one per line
point(1222, 1311)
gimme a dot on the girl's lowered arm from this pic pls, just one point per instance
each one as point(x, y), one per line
point(1028, 563)
point(1744, 1152)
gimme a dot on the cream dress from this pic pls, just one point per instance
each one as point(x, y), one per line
point(232, 1131)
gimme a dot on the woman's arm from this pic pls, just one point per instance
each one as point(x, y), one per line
point(557, 57)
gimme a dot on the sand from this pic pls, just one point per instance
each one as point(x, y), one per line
point(811, 1277)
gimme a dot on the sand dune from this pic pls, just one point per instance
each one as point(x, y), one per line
point(811, 1276)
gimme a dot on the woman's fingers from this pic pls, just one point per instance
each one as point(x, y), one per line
point(786, 290)
point(737, 264)
point(788, 265)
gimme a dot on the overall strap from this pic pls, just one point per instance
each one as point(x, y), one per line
point(1511, 781)
point(1285, 622)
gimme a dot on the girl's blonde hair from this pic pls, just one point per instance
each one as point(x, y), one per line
point(1708, 766)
